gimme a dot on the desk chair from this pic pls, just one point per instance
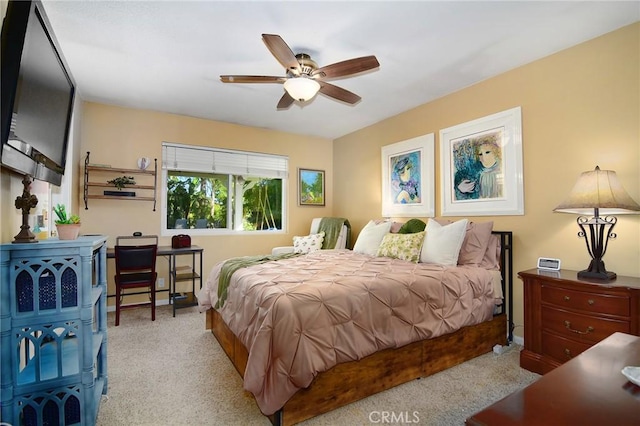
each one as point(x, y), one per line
point(135, 268)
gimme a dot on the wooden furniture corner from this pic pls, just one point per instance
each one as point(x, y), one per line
point(564, 316)
point(588, 390)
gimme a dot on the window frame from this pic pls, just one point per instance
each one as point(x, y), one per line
point(165, 232)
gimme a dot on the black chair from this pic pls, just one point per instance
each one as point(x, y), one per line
point(135, 268)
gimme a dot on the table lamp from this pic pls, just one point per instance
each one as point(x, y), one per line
point(600, 192)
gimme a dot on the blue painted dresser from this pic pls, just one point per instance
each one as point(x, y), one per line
point(53, 325)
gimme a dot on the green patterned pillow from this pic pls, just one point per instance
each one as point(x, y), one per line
point(412, 226)
point(402, 246)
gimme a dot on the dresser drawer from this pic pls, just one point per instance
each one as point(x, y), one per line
point(589, 302)
point(584, 328)
point(563, 314)
point(561, 349)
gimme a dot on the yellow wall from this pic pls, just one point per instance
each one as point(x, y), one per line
point(118, 136)
point(580, 108)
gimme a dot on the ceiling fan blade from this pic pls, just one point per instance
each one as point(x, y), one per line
point(348, 67)
point(282, 52)
point(338, 93)
point(285, 101)
point(251, 79)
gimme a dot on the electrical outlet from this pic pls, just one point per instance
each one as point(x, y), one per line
point(161, 282)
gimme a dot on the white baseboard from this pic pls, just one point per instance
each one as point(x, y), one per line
point(158, 303)
point(518, 340)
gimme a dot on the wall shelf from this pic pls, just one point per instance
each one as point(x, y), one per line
point(92, 187)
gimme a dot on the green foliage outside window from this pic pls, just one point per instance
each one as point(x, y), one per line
point(195, 197)
point(262, 204)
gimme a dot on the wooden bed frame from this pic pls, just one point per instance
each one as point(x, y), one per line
point(351, 381)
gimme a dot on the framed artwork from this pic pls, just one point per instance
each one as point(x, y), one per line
point(481, 166)
point(408, 184)
point(311, 187)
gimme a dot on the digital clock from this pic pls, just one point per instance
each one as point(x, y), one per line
point(548, 264)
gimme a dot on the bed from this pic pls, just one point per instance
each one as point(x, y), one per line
point(333, 326)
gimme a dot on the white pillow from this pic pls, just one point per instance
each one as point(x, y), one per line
point(370, 237)
point(442, 243)
point(308, 244)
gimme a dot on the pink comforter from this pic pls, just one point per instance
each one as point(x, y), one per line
point(301, 316)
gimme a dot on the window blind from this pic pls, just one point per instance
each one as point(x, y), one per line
point(188, 158)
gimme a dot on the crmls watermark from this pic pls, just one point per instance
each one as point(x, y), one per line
point(389, 417)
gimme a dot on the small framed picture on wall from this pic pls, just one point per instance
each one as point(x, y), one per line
point(311, 190)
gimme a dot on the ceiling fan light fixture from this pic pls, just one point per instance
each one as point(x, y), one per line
point(301, 88)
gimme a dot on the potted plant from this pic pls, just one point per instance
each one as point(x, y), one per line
point(121, 181)
point(68, 226)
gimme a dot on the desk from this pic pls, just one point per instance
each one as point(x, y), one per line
point(176, 274)
point(587, 390)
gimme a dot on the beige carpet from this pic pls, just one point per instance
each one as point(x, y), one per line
point(173, 372)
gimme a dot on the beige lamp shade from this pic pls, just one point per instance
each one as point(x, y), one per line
point(598, 189)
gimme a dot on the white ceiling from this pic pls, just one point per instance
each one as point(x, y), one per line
point(168, 55)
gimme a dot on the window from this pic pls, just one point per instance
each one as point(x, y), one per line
point(212, 190)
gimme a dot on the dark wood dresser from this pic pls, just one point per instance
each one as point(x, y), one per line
point(564, 315)
point(588, 390)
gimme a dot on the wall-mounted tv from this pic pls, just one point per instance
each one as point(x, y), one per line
point(37, 95)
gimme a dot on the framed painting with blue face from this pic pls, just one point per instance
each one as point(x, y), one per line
point(408, 178)
point(405, 178)
point(481, 166)
point(477, 166)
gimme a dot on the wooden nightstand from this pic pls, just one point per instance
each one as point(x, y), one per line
point(564, 316)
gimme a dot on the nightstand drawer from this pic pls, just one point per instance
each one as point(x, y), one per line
point(563, 314)
point(590, 302)
point(581, 327)
point(560, 348)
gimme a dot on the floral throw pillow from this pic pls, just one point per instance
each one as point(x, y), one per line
point(402, 246)
point(308, 244)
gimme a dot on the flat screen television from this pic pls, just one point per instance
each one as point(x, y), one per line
point(37, 95)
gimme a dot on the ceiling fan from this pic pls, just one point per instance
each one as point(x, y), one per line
point(304, 79)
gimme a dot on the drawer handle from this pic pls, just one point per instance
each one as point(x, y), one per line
point(567, 298)
point(567, 352)
point(567, 324)
point(590, 301)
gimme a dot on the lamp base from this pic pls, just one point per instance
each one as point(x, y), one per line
point(595, 275)
point(597, 271)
